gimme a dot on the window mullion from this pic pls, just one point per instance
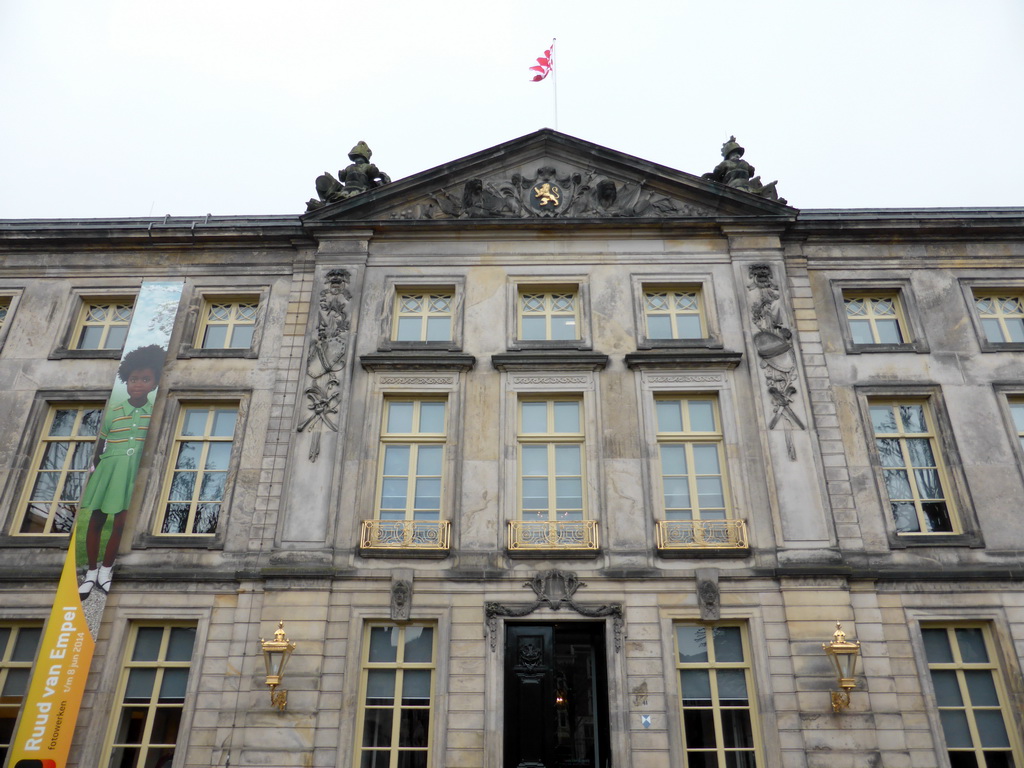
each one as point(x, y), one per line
point(872, 321)
point(968, 709)
point(691, 481)
point(106, 327)
point(915, 492)
point(396, 707)
point(552, 484)
point(412, 477)
point(151, 710)
point(716, 707)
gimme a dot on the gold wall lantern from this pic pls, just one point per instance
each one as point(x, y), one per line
point(275, 654)
point(844, 657)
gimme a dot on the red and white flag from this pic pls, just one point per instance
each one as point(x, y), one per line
point(544, 65)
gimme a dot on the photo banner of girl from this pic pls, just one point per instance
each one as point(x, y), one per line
point(50, 710)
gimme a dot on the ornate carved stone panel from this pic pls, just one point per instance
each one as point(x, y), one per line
point(326, 358)
point(774, 344)
point(548, 193)
point(554, 589)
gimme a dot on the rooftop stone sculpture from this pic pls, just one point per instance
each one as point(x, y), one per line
point(358, 177)
point(735, 172)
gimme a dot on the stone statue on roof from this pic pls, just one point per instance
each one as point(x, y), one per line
point(736, 172)
point(357, 178)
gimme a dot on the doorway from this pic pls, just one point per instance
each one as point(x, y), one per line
point(556, 696)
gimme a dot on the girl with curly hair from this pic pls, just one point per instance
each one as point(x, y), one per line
point(116, 463)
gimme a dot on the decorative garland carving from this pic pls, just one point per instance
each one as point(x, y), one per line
point(684, 379)
point(774, 344)
point(551, 380)
point(548, 195)
point(554, 589)
point(417, 381)
point(326, 358)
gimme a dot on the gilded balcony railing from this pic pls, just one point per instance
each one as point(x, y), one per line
point(702, 534)
point(405, 534)
point(568, 534)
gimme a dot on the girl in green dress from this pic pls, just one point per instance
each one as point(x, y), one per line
point(116, 463)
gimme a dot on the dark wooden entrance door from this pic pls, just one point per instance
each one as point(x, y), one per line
point(556, 696)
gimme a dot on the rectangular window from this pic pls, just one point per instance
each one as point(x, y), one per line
point(673, 313)
point(551, 460)
point(719, 717)
point(227, 323)
point(410, 483)
point(912, 467)
point(970, 697)
point(197, 478)
point(1001, 315)
point(396, 694)
point(19, 642)
point(151, 696)
point(691, 457)
point(423, 315)
point(552, 484)
point(548, 314)
point(1017, 411)
point(60, 467)
point(103, 323)
point(875, 318)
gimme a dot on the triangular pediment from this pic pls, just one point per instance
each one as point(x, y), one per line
point(548, 175)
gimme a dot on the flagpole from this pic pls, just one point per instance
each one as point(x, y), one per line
point(554, 76)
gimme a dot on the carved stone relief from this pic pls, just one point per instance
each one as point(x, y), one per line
point(326, 358)
point(548, 195)
point(554, 589)
point(774, 344)
point(640, 695)
point(708, 596)
point(401, 599)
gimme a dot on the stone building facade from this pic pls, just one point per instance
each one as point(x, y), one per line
point(582, 455)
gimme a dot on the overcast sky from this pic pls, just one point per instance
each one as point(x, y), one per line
point(139, 108)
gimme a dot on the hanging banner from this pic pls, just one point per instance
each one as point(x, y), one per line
point(54, 697)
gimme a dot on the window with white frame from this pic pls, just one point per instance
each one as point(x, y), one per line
point(102, 323)
point(551, 459)
point(674, 312)
point(1017, 411)
point(552, 510)
point(970, 696)
point(423, 315)
point(19, 642)
point(913, 472)
point(1001, 314)
point(227, 322)
point(196, 484)
point(691, 475)
point(410, 475)
point(151, 696)
point(59, 469)
point(692, 457)
point(395, 721)
point(548, 313)
point(717, 699)
point(875, 317)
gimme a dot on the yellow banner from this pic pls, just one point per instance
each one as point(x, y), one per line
point(47, 721)
point(55, 694)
